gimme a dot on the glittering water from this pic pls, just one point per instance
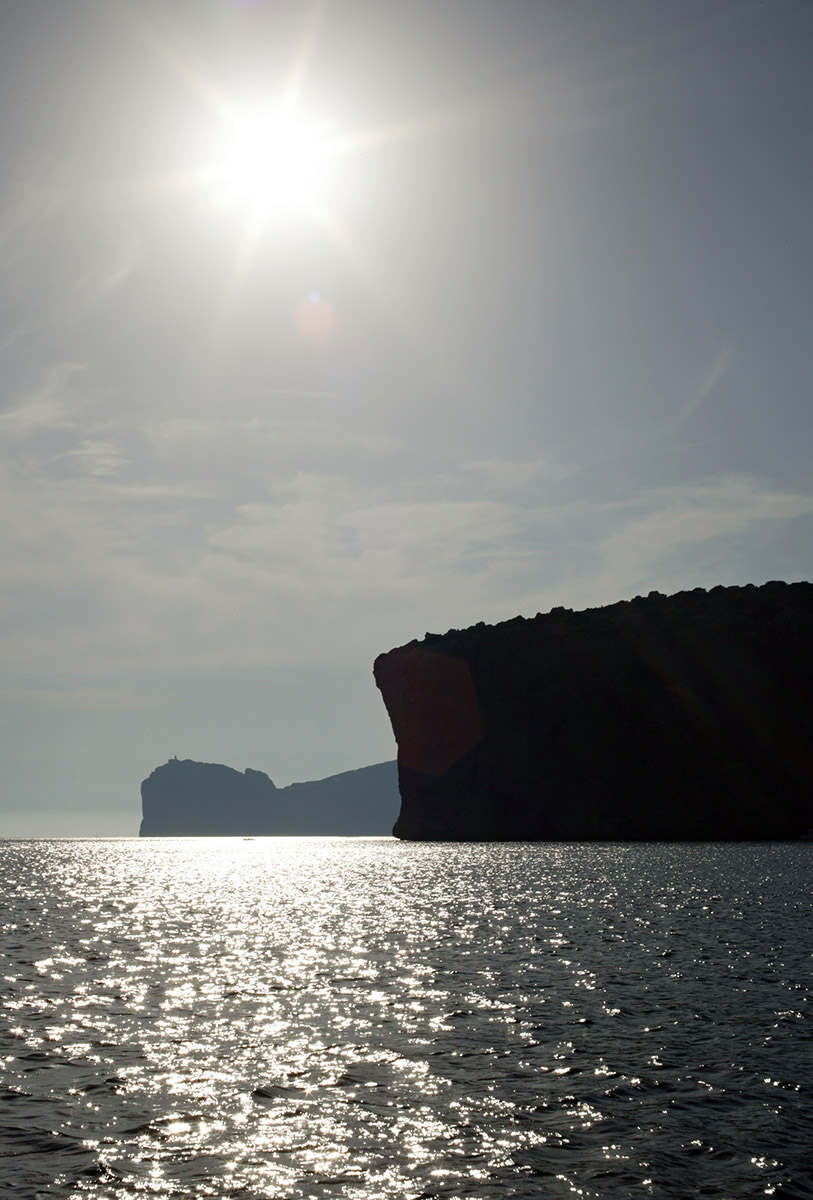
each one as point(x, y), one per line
point(365, 1018)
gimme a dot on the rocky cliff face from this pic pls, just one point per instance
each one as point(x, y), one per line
point(194, 799)
point(687, 717)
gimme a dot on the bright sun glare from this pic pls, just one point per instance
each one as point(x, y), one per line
point(272, 160)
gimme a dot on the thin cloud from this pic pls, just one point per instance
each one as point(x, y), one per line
point(518, 475)
point(315, 544)
point(32, 202)
point(669, 522)
point(51, 405)
point(113, 271)
point(98, 458)
point(708, 383)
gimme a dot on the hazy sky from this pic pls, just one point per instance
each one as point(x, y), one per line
point(513, 310)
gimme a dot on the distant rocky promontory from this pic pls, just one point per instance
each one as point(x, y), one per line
point(684, 717)
point(194, 799)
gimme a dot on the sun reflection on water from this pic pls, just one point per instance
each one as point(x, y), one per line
point(329, 1018)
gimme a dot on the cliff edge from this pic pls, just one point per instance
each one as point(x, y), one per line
point(685, 717)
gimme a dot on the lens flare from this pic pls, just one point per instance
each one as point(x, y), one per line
point(316, 319)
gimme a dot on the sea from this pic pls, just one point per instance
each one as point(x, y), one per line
point(366, 1018)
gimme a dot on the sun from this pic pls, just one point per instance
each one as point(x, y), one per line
point(272, 160)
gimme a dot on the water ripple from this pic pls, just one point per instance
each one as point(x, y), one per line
point(361, 1018)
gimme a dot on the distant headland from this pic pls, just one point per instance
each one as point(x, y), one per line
point(195, 799)
point(684, 717)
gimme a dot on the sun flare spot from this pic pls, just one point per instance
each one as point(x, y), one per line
point(272, 161)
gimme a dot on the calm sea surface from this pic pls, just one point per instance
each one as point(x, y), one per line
point(365, 1018)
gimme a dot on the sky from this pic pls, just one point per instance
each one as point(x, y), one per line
point(325, 325)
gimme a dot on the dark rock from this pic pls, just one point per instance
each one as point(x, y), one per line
point(685, 717)
point(194, 799)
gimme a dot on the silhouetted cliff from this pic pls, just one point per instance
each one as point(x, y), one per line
point(186, 798)
point(682, 717)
